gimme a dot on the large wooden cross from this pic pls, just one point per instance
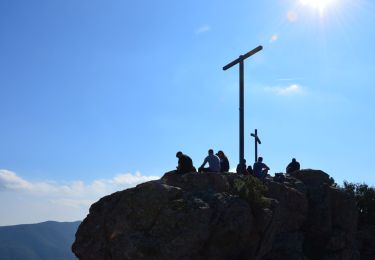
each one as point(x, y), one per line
point(256, 141)
point(240, 60)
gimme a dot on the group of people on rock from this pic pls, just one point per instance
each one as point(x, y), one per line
point(219, 163)
point(259, 169)
point(216, 163)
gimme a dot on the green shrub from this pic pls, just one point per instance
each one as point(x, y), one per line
point(252, 190)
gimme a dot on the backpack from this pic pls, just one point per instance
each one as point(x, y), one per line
point(279, 177)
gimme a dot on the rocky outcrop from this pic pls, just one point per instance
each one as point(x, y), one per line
point(222, 216)
point(329, 226)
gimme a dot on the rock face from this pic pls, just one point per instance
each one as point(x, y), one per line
point(207, 216)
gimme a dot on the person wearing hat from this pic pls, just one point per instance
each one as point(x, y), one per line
point(185, 164)
point(224, 162)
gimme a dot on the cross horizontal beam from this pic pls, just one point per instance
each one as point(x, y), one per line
point(243, 57)
point(256, 138)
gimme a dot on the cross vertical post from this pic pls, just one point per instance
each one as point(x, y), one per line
point(240, 60)
point(256, 145)
point(242, 113)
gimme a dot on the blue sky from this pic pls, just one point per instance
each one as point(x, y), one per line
point(97, 95)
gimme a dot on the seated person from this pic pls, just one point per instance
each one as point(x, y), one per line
point(293, 166)
point(241, 169)
point(224, 162)
point(213, 163)
point(260, 169)
point(185, 164)
point(250, 170)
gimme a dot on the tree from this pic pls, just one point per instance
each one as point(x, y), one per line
point(365, 197)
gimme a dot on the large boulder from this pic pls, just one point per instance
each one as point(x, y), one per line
point(288, 241)
point(331, 223)
point(220, 216)
point(189, 216)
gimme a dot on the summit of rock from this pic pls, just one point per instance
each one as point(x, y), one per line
point(222, 216)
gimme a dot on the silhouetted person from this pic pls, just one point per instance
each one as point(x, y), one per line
point(185, 164)
point(241, 169)
point(249, 169)
point(260, 169)
point(224, 162)
point(293, 166)
point(213, 163)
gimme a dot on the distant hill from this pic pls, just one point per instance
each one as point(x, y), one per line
point(47, 240)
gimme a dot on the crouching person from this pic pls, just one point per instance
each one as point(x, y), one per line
point(185, 164)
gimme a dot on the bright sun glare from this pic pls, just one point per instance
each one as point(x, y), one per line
point(321, 5)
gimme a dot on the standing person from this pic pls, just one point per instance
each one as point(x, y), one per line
point(213, 163)
point(185, 164)
point(224, 162)
point(260, 169)
point(293, 166)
